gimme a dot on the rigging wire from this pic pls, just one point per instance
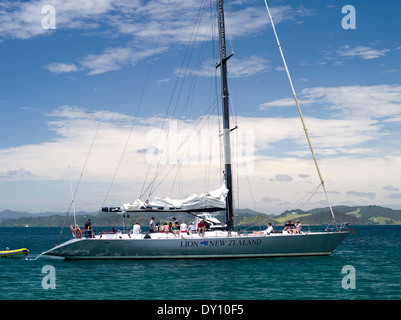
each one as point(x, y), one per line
point(203, 119)
point(178, 78)
point(311, 193)
point(139, 103)
point(299, 111)
point(266, 220)
point(72, 202)
point(72, 197)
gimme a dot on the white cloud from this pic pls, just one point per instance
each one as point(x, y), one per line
point(368, 102)
point(16, 174)
point(244, 67)
point(283, 177)
point(339, 56)
point(390, 188)
point(23, 20)
point(274, 160)
point(111, 59)
point(61, 67)
point(366, 53)
point(186, 19)
point(248, 66)
point(287, 102)
point(350, 102)
point(173, 23)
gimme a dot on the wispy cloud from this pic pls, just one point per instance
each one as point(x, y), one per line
point(19, 174)
point(371, 102)
point(354, 119)
point(113, 59)
point(283, 177)
point(244, 67)
point(365, 53)
point(356, 102)
point(390, 188)
point(338, 56)
point(74, 130)
point(61, 67)
point(286, 102)
point(144, 23)
point(23, 20)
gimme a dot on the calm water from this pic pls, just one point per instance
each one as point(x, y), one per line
point(374, 252)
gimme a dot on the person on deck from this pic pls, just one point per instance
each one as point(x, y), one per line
point(267, 231)
point(190, 229)
point(152, 225)
point(289, 227)
point(137, 228)
point(201, 228)
point(88, 229)
point(298, 227)
point(183, 227)
point(174, 229)
point(166, 228)
point(145, 204)
point(175, 221)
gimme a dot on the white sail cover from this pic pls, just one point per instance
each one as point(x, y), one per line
point(209, 200)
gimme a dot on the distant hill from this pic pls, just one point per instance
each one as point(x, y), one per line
point(9, 214)
point(356, 215)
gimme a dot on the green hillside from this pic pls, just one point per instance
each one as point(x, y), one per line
point(362, 215)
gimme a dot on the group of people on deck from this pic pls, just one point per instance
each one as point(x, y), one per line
point(174, 227)
point(289, 228)
point(178, 229)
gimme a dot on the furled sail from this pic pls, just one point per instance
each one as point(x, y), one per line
point(209, 201)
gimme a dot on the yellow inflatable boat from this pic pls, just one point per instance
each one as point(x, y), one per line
point(14, 253)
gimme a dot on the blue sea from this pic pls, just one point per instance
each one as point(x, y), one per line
point(371, 259)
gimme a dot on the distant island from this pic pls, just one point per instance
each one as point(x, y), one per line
point(354, 215)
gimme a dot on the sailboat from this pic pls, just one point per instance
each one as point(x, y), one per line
point(216, 243)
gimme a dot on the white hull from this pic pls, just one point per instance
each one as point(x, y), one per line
point(216, 244)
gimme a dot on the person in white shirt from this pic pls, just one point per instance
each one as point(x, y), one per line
point(183, 227)
point(152, 225)
point(191, 228)
point(268, 230)
point(137, 228)
point(298, 227)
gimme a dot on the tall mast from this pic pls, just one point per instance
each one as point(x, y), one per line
point(226, 116)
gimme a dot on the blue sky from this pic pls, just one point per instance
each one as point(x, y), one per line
point(111, 67)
